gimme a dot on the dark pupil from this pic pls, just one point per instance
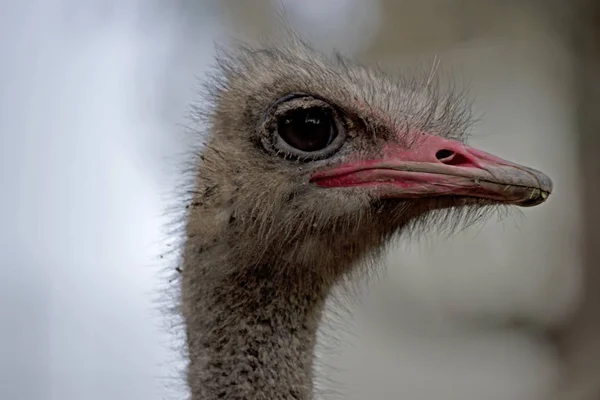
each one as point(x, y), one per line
point(307, 129)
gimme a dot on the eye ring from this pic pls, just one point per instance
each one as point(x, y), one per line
point(303, 127)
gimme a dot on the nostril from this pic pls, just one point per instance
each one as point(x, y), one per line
point(450, 157)
point(445, 156)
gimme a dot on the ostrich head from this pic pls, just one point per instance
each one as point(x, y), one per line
point(312, 163)
point(311, 160)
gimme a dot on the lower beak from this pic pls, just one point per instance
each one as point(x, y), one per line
point(434, 166)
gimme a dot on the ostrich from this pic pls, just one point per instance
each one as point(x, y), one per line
point(311, 165)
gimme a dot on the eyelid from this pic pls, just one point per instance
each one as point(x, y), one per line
point(289, 97)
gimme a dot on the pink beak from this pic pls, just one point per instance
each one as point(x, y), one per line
point(434, 166)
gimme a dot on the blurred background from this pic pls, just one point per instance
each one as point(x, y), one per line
point(93, 94)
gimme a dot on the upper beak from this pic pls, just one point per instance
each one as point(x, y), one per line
point(435, 166)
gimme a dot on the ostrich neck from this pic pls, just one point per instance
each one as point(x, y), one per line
point(248, 338)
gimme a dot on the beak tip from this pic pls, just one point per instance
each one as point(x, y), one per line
point(544, 180)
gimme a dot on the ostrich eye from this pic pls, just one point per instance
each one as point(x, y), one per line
point(303, 127)
point(307, 129)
